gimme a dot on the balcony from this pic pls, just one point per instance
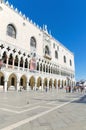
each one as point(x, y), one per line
point(47, 57)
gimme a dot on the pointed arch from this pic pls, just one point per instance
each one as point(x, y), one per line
point(10, 60)
point(21, 62)
point(11, 31)
point(23, 82)
point(33, 42)
point(50, 83)
point(55, 83)
point(45, 82)
point(47, 51)
point(16, 61)
point(1, 78)
point(39, 82)
point(4, 57)
point(64, 58)
point(70, 62)
point(56, 54)
point(26, 63)
point(37, 65)
point(32, 82)
point(12, 81)
point(40, 66)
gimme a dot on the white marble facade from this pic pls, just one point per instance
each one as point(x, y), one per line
point(21, 41)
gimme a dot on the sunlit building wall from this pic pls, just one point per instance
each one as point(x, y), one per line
point(30, 58)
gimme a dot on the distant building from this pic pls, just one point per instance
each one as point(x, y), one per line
point(29, 56)
point(81, 83)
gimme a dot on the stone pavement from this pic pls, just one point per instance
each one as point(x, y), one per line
point(37, 110)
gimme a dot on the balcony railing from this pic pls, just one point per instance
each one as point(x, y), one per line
point(16, 68)
point(47, 57)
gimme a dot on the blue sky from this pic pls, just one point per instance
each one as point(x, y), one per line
point(67, 21)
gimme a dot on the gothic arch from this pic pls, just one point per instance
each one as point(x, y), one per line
point(32, 82)
point(23, 82)
point(47, 51)
point(4, 57)
point(59, 83)
point(39, 82)
point(55, 83)
point(33, 42)
point(45, 82)
point(10, 60)
point(11, 30)
point(12, 81)
point(50, 83)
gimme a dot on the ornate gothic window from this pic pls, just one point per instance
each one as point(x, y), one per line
point(4, 57)
point(26, 63)
point(44, 68)
point(56, 54)
point(11, 31)
point(37, 66)
point(64, 59)
point(21, 62)
point(41, 67)
point(16, 61)
point(10, 61)
point(47, 50)
point(70, 63)
point(33, 42)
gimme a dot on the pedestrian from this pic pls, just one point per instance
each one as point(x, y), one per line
point(69, 89)
point(46, 88)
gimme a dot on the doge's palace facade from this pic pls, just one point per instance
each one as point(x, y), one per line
point(30, 58)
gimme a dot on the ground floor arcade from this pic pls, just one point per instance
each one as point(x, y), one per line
point(18, 81)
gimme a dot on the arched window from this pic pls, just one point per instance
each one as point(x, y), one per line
point(44, 68)
point(64, 59)
point(49, 69)
point(56, 54)
point(4, 57)
point(70, 63)
point(41, 67)
point(11, 31)
point(10, 61)
point(37, 66)
point(16, 61)
point(47, 50)
point(33, 42)
point(26, 63)
point(2, 80)
point(21, 62)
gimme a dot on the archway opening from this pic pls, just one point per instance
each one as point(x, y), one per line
point(39, 82)
point(23, 81)
point(32, 82)
point(50, 84)
point(12, 82)
point(45, 82)
point(55, 83)
point(59, 83)
point(1, 81)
